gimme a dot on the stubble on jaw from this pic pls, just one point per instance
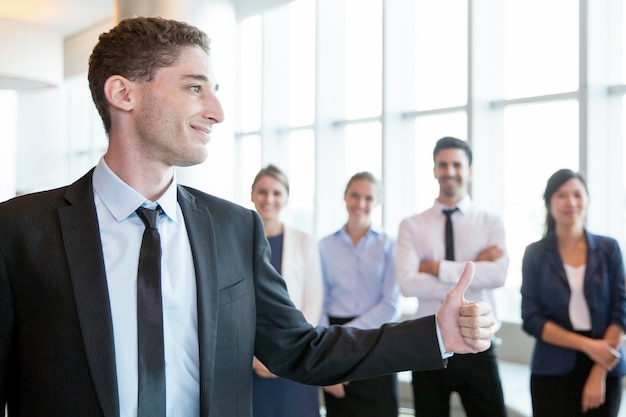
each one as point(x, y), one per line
point(161, 135)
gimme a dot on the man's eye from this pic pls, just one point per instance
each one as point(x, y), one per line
point(195, 88)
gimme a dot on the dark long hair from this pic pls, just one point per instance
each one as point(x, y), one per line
point(554, 183)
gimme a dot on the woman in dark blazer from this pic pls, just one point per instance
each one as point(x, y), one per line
point(573, 303)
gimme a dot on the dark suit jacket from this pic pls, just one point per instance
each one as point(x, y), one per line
point(546, 294)
point(56, 338)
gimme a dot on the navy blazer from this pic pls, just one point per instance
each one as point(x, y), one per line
point(56, 335)
point(546, 293)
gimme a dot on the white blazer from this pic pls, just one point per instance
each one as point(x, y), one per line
point(301, 270)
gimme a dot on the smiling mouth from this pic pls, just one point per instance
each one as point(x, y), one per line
point(204, 130)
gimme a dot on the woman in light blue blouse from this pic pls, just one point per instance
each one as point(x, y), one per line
point(360, 290)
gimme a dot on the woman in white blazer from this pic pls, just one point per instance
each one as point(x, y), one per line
point(295, 256)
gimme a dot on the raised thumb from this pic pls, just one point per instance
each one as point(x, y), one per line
point(466, 278)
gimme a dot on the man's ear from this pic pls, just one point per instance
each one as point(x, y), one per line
point(119, 92)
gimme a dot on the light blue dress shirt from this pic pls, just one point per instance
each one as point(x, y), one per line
point(359, 280)
point(121, 232)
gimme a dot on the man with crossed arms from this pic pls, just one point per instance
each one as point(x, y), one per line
point(424, 271)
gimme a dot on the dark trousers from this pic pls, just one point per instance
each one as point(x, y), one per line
point(561, 395)
point(474, 376)
point(374, 397)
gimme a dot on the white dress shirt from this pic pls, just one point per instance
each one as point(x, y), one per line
point(121, 232)
point(421, 237)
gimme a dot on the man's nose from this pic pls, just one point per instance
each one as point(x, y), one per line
point(213, 108)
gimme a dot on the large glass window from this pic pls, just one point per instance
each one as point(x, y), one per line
point(248, 154)
point(301, 170)
point(354, 85)
point(441, 53)
point(363, 60)
point(623, 168)
point(250, 74)
point(301, 62)
point(540, 44)
point(532, 152)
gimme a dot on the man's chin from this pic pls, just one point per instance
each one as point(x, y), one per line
point(191, 160)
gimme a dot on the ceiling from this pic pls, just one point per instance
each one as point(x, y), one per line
point(72, 16)
point(67, 19)
point(65, 16)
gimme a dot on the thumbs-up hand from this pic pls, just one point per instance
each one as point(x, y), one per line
point(465, 326)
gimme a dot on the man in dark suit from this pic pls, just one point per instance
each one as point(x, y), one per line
point(69, 262)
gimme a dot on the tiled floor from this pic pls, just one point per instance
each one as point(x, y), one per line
point(403, 412)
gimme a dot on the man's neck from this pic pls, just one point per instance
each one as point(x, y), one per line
point(147, 179)
point(450, 201)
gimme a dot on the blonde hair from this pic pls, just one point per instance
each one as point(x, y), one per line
point(274, 172)
point(368, 176)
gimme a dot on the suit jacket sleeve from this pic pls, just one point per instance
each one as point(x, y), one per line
point(6, 331)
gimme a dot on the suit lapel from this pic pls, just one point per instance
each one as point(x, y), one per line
point(200, 230)
point(553, 258)
point(79, 226)
point(594, 260)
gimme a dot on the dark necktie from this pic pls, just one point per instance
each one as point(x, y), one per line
point(449, 234)
point(151, 372)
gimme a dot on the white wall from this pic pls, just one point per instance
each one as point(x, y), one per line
point(8, 135)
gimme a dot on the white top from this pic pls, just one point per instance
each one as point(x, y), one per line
point(421, 237)
point(302, 272)
point(578, 308)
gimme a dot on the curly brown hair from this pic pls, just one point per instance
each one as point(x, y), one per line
point(135, 49)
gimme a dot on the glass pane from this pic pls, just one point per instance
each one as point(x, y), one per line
point(623, 41)
point(441, 65)
point(539, 57)
point(428, 130)
point(250, 74)
point(363, 79)
point(301, 63)
point(532, 152)
point(364, 150)
point(301, 170)
point(623, 168)
point(249, 162)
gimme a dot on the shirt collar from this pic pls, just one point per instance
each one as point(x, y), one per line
point(464, 204)
point(371, 231)
point(122, 200)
